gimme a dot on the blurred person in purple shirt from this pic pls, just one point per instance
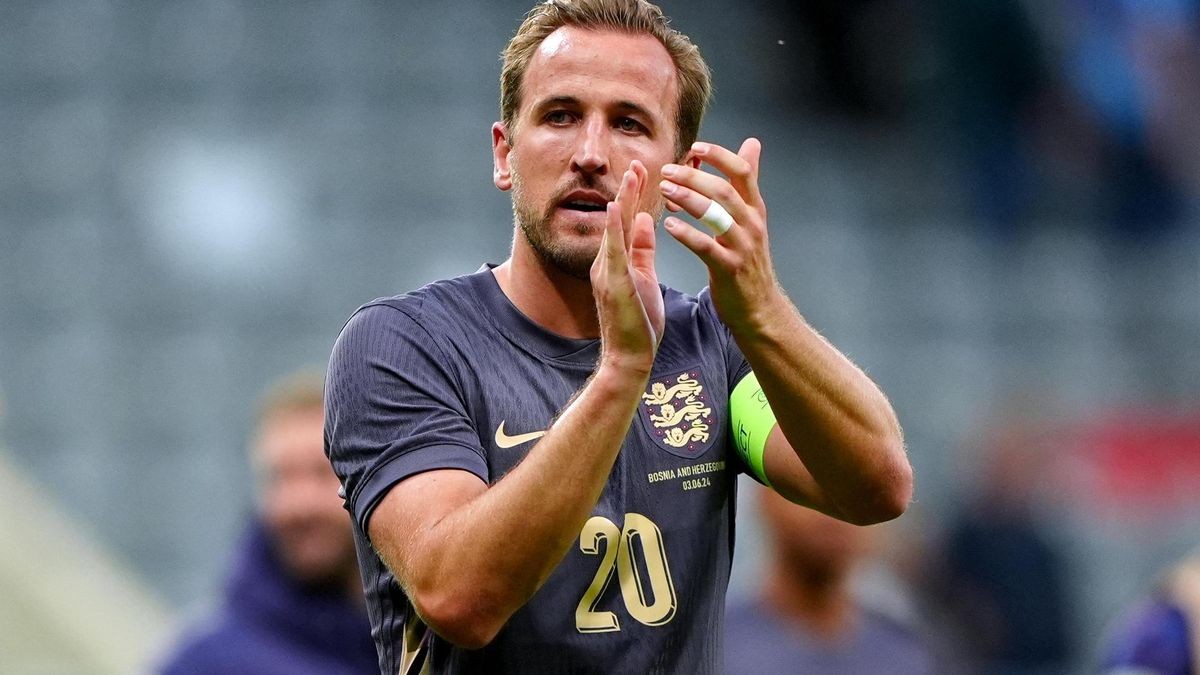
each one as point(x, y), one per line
point(806, 617)
point(1161, 633)
point(293, 603)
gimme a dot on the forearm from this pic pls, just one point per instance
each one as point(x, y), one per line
point(469, 555)
point(839, 426)
point(500, 547)
point(836, 420)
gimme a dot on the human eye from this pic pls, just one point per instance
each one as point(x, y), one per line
point(630, 125)
point(558, 117)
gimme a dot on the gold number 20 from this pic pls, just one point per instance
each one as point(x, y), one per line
point(619, 555)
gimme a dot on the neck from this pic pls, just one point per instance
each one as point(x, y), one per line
point(554, 300)
point(817, 600)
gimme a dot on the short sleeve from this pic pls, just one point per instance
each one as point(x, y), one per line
point(393, 408)
point(736, 366)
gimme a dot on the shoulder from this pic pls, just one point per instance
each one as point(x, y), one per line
point(895, 644)
point(432, 312)
point(749, 621)
point(204, 647)
point(453, 296)
point(889, 629)
point(232, 646)
point(695, 313)
point(744, 608)
point(680, 304)
point(1153, 635)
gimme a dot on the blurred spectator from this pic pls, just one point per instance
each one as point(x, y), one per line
point(1161, 635)
point(993, 74)
point(1004, 580)
point(294, 601)
point(1082, 109)
point(806, 619)
point(1136, 68)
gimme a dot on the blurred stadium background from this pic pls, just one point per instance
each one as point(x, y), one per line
point(991, 205)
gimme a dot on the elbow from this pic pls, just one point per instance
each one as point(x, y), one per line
point(889, 495)
point(894, 499)
point(895, 491)
point(462, 618)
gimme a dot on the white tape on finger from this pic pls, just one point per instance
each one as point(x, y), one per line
point(717, 218)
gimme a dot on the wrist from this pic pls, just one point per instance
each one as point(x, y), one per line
point(766, 318)
point(623, 370)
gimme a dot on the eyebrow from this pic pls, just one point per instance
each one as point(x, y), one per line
point(631, 107)
point(557, 100)
point(571, 101)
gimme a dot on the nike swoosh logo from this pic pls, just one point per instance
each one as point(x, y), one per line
point(505, 441)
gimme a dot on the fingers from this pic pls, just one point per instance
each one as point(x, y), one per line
point(694, 191)
point(637, 236)
point(695, 204)
point(643, 176)
point(741, 168)
point(641, 244)
point(613, 243)
point(708, 249)
point(627, 198)
point(629, 195)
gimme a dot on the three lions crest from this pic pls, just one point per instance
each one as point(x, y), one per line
point(677, 413)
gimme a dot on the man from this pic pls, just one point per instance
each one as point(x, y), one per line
point(806, 617)
point(1161, 633)
point(539, 456)
point(1001, 577)
point(294, 602)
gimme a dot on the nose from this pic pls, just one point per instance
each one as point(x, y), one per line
point(591, 152)
point(302, 498)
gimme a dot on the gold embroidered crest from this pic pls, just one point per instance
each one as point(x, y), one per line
point(679, 412)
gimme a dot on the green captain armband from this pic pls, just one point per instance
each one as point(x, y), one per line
point(752, 421)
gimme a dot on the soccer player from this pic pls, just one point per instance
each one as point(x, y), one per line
point(540, 456)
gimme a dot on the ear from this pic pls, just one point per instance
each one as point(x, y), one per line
point(690, 159)
point(501, 173)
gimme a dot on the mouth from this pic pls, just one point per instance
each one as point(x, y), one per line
point(584, 201)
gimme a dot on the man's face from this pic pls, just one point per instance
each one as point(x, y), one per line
point(298, 498)
point(810, 541)
point(591, 102)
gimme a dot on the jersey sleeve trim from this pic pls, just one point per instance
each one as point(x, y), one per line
point(419, 460)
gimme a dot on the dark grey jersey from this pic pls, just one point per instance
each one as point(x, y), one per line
point(453, 376)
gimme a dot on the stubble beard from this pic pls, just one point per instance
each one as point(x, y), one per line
point(572, 260)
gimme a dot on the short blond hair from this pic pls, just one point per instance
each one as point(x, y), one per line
point(301, 391)
point(627, 16)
